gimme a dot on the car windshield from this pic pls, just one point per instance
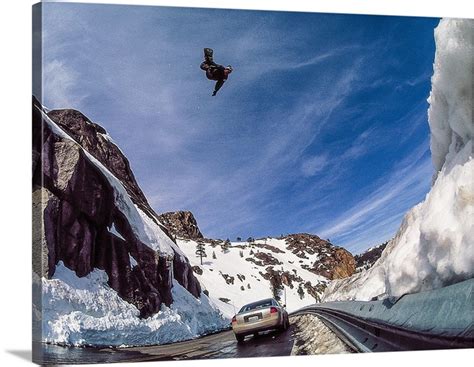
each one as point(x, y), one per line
point(256, 305)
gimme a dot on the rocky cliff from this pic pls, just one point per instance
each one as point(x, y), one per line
point(92, 214)
point(332, 262)
point(181, 224)
point(95, 140)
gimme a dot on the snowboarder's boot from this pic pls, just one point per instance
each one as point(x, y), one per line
point(208, 54)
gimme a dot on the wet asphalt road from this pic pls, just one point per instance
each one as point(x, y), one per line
point(221, 345)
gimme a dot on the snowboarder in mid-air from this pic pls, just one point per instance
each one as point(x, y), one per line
point(215, 71)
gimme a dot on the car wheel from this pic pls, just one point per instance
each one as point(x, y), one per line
point(240, 338)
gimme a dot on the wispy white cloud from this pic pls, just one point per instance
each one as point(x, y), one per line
point(303, 62)
point(315, 164)
point(385, 205)
point(59, 85)
point(414, 81)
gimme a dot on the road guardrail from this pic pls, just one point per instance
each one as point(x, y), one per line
point(437, 319)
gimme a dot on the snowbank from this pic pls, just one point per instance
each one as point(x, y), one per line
point(450, 112)
point(434, 245)
point(86, 311)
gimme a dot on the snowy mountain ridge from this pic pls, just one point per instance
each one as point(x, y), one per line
point(433, 247)
point(295, 269)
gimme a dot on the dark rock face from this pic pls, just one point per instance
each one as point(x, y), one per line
point(365, 260)
point(94, 139)
point(81, 210)
point(268, 247)
point(181, 224)
point(197, 270)
point(263, 259)
point(228, 278)
point(333, 262)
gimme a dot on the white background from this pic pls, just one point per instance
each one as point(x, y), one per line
point(15, 168)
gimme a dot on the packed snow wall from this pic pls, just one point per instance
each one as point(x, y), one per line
point(434, 245)
point(82, 311)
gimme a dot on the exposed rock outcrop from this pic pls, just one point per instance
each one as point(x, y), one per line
point(95, 140)
point(84, 226)
point(181, 224)
point(333, 262)
point(263, 259)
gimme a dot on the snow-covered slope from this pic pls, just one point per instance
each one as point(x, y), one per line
point(240, 273)
point(434, 245)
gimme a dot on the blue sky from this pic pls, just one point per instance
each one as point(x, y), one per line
point(322, 127)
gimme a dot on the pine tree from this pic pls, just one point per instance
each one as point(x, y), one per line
point(214, 255)
point(200, 251)
point(241, 253)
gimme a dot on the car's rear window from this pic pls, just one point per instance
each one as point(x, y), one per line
point(256, 305)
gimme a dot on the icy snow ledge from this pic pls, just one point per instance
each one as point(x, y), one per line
point(434, 245)
point(450, 112)
point(86, 311)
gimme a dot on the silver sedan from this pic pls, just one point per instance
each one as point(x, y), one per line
point(259, 316)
